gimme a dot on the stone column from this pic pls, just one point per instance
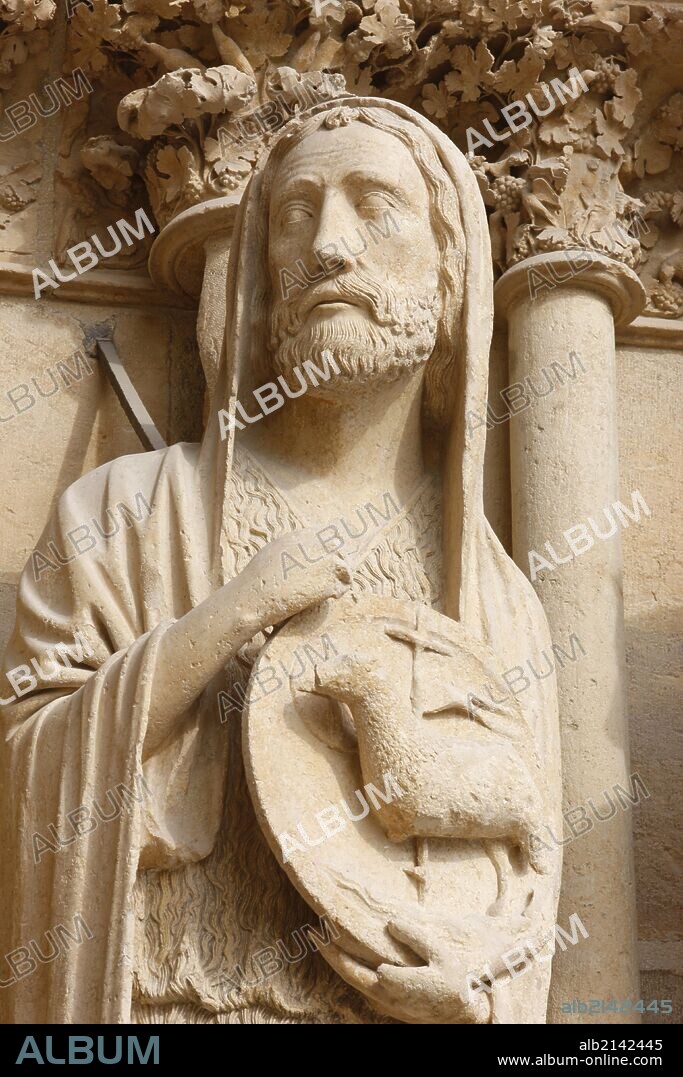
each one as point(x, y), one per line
point(564, 469)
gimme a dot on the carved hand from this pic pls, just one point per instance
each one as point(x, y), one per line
point(196, 648)
point(465, 979)
point(271, 590)
point(435, 993)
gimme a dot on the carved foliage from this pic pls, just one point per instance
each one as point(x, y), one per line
point(23, 33)
point(203, 84)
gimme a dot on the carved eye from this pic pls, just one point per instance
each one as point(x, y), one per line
point(295, 214)
point(375, 202)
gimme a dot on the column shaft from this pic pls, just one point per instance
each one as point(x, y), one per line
point(564, 474)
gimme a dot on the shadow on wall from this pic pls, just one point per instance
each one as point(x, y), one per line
point(653, 656)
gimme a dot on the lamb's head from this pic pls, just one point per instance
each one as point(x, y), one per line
point(355, 679)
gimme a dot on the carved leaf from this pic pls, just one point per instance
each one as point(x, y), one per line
point(471, 70)
point(166, 9)
point(177, 166)
point(359, 80)
point(488, 17)
point(109, 163)
point(332, 13)
point(608, 137)
point(607, 15)
point(136, 28)
point(27, 14)
point(264, 31)
point(434, 53)
point(670, 122)
point(639, 36)
point(291, 85)
point(472, 115)
point(213, 10)
point(544, 41)
point(575, 51)
point(182, 95)
point(627, 96)
point(518, 78)
point(238, 160)
point(89, 30)
point(436, 100)
point(652, 156)
point(569, 125)
point(388, 28)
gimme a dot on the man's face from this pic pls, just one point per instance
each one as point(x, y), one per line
point(352, 257)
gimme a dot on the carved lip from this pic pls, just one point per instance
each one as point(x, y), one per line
point(332, 299)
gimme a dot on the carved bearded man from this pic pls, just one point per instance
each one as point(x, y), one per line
point(378, 217)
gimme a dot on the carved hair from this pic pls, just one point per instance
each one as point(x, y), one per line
point(444, 211)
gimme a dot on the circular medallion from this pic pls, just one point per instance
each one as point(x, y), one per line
point(340, 829)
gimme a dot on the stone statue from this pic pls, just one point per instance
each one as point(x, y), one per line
point(328, 566)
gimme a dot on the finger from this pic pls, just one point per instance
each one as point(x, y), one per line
point(343, 573)
point(341, 583)
point(404, 978)
point(406, 984)
point(342, 569)
point(413, 935)
point(366, 981)
point(354, 972)
point(501, 969)
point(428, 997)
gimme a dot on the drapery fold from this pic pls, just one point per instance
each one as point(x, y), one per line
point(82, 813)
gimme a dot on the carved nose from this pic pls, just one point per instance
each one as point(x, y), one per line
point(329, 248)
point(332, 255)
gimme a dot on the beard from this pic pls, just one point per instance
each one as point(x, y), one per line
point(388, 335)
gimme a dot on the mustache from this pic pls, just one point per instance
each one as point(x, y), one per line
point(355, 286)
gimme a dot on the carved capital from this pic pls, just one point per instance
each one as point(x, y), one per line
point(581, 177)
point(543, 273)
point(569, 109)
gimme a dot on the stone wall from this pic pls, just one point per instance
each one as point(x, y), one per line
point(650, 385)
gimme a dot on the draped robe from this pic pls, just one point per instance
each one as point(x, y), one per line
point(179, 890)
